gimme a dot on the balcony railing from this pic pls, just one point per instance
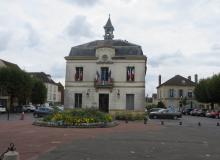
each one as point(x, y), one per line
point(104, 84)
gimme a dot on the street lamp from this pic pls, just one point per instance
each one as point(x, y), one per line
point(180, 103)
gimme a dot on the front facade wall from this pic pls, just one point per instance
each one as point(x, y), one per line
point(164, 95)
point(116, 102)
point(121, 87)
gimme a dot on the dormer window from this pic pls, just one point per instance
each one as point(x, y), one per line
point(79, 74)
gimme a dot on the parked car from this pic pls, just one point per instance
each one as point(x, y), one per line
point(154, 110)
point(194, 112)
point(201, 112)
point(2, 109)
point(186, 111)
point(213, 114)
point(43, 111)
point(29, 108)
point(59, 108)
point(165, 114)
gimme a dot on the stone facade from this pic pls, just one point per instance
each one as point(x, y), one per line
point(97, 60)
point(174, 91)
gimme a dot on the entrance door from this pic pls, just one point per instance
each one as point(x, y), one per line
point(129, 101)
point(104, 102)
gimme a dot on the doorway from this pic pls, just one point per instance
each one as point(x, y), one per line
point(104, 102)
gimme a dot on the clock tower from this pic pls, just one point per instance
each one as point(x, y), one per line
point(108, 30)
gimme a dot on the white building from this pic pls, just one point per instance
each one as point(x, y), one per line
point(53, 94)
point(176, 90)
point(107, 74)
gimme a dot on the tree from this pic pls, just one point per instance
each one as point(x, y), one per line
point(160, 104)
point(16, 83)
point(208, 90)
point(39, 92)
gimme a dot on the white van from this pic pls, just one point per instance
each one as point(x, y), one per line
point(2, 109)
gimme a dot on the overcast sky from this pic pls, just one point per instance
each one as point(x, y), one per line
point(178, 36)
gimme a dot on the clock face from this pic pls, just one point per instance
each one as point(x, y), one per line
point(104, 57)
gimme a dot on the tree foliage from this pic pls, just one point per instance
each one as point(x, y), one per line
point(160, 104)
point(16, 83)
point(208, 90)
point(39, 92)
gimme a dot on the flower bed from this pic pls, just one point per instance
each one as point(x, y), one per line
point(77, 118)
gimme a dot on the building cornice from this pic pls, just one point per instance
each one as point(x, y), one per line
point(133, 57)
point(81, 58)
point(136, 57)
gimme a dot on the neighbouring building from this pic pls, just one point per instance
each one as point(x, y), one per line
point(107, 74)
point(54, 90)
point(177, 92)
point(4, 96)
point(152, 101)
point(60, 95)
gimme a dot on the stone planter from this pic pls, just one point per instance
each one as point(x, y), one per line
point(61, 124)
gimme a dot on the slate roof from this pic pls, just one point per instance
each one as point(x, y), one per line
point(122, 48)
point(178, 81)
point(46, 78)
point(109, 24)
point(9, 64)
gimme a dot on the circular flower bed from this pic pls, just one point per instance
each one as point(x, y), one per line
point(77, 118)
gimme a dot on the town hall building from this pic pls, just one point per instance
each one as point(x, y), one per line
point(106, 74)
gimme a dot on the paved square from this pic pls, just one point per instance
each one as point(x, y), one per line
point(126, 141)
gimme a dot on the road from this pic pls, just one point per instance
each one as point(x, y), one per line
point(169, 141)
point(130, 141)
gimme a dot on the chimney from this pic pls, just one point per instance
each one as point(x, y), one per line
point(189, 78)
point(196, 78)
point(159, 79)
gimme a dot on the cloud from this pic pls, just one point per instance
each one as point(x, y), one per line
point(216, 47)
point(4, 40)
point(78, 28)
point(167, 59)
point(33, 37)
point(58, 70)
point(87, 3)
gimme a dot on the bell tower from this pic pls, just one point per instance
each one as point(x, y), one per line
point(109, 30)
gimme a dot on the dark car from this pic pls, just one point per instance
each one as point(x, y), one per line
point(186, 111)
point(42, 111)
point(154, 109)
point(194, 112)
point(201, 112)
point(165, 114)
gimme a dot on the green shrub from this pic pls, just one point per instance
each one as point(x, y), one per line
point(128, 115)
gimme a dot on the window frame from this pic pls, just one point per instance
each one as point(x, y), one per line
point(78, 100)
point(129, 71)
point(78, 73)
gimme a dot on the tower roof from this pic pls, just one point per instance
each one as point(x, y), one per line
point(109, 23)
point(109, 30)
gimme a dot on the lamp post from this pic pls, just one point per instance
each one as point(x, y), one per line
point(180, 103)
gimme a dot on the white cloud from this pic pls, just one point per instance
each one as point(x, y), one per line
point(79, 28)
point(178, 37)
